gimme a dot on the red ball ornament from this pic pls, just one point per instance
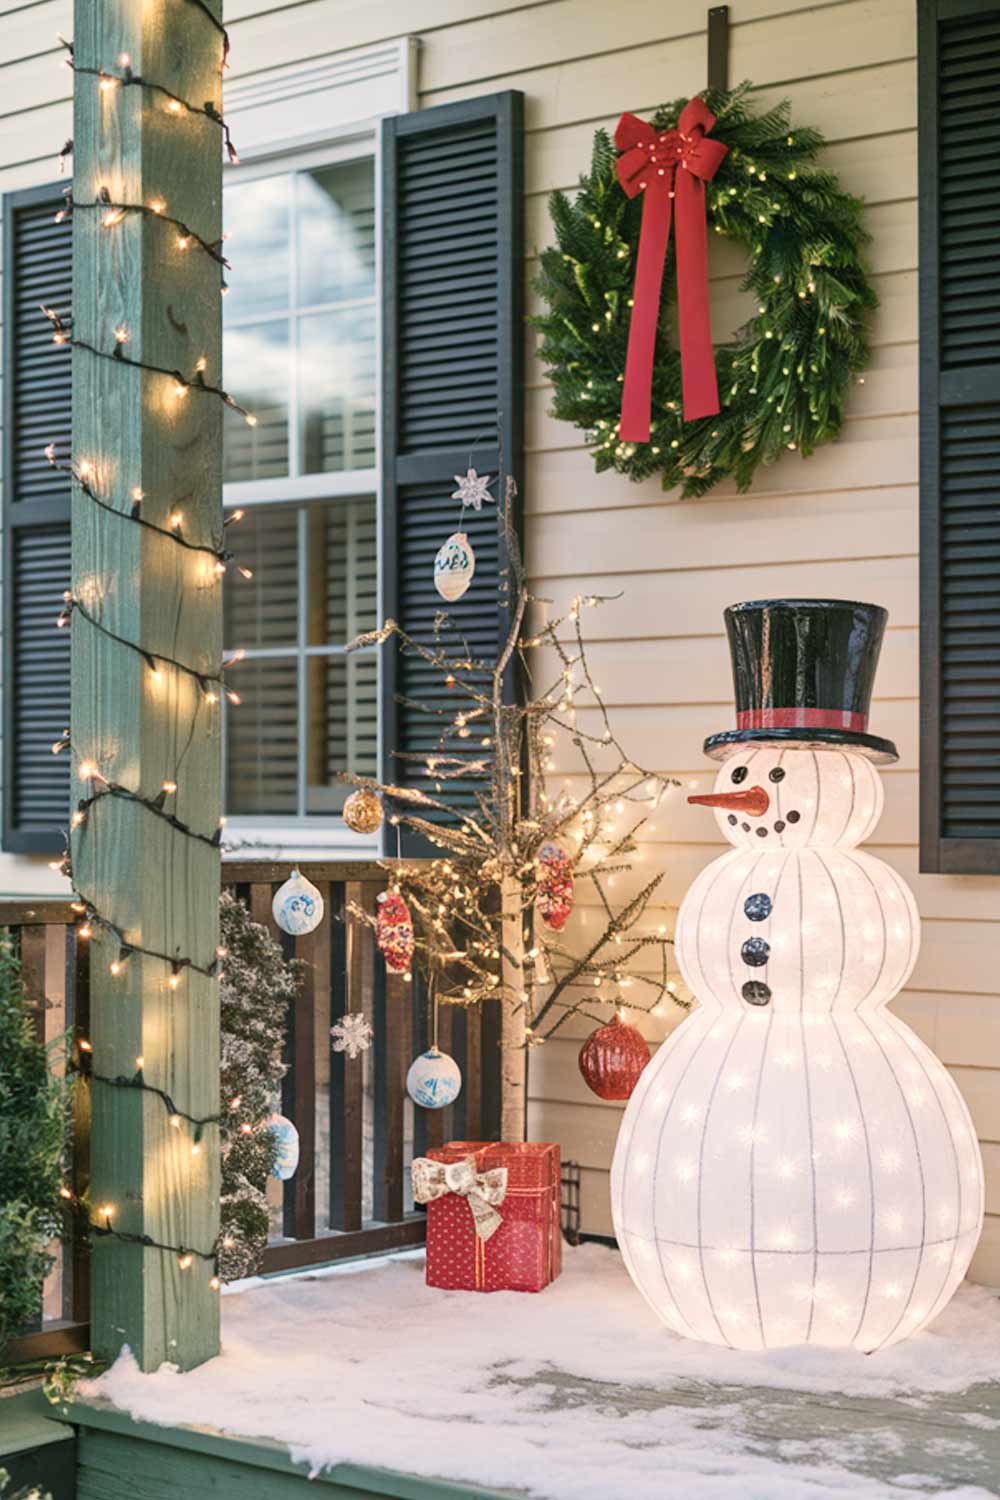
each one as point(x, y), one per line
point(612, 1058)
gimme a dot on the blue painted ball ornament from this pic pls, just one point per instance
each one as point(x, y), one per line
point(287, 1139)
point(297, 906)
point(434, 1079)
point(454, 567)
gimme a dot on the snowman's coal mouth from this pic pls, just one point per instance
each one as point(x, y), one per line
point(778, 826)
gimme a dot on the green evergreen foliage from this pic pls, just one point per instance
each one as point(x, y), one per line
point(34, 1493)
point(784, 379)
point(33, 1131)
point(258, 987)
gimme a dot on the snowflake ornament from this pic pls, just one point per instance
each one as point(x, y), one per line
point(352, 1034)
point(473, 489)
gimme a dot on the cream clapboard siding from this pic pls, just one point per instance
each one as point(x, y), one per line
point(843, 523)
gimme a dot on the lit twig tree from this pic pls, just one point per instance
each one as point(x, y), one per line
point(474, 906)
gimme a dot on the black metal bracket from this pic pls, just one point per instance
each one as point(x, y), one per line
point(569, 1203)
point(718, 47)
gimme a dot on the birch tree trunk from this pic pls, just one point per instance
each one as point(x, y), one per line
point(513, 1033)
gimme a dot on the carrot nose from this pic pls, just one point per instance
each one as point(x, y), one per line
point(753, 801)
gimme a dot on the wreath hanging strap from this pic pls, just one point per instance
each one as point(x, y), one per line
point(783, 379)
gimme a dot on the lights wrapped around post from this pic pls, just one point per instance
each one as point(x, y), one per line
point(795, 1166)
point(155, 991)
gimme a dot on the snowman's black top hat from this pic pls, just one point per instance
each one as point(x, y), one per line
point(803, 671)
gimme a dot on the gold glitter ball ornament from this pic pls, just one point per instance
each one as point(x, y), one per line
point(363, 811)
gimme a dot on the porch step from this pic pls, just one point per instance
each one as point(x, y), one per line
point(120, 1459)
point(35, 1448)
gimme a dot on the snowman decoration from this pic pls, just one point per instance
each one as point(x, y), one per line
point(795, 1166)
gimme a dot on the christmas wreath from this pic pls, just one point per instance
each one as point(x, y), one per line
point(783, 380)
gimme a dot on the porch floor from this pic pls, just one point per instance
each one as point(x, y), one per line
point(577, 1394)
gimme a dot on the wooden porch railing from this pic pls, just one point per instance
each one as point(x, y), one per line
point(358, 1129)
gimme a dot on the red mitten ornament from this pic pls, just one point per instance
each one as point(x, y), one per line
point(612, 1058)
point(555, 887)
point(395, 932)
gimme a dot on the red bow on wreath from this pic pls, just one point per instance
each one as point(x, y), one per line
point(666, 165)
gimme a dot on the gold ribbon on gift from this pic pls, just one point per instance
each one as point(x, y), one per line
point(483, 1191)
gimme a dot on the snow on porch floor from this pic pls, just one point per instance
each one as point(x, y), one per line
point(578, 1394)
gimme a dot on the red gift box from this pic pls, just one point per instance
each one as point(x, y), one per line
point(525, 1253)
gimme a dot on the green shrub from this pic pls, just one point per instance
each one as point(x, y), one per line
point(33, 1130)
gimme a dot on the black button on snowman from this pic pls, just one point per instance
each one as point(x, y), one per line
point(795, 1166)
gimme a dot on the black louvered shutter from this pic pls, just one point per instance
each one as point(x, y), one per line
point(37, 268)
point(960, 435)
point(452, 389)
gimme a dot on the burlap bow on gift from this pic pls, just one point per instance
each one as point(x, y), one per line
point(482, 1190)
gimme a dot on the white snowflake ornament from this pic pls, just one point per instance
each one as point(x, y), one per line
point(473, 489)
point(352, 1034)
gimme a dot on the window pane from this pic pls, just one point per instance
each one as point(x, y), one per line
point(343, 574)
point(335, 215)
point(257, 370)
point(258, 216)
point(262, 739)
point(337, 372)
point(343, 726)
point(263, 611)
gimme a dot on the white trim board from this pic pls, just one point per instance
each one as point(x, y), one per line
point(283, 840)
point(304, 103)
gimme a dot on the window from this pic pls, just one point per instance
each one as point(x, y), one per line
point(959, 46)
point(300, 352)
point(336, 535)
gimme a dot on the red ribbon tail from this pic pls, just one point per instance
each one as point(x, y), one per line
point(637, 390)
point(698, 382)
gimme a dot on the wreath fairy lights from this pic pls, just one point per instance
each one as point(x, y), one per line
point(784, 377)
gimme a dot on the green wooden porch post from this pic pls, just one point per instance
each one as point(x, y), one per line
point(142, 721)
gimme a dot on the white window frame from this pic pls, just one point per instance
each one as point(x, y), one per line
point(336, 102)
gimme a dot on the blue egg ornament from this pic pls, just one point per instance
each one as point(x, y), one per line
point(287, 1139)
point(454, 566)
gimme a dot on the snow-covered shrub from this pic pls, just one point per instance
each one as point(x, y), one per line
point(258, 987)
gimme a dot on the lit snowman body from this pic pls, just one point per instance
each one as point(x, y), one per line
point(795, 1166)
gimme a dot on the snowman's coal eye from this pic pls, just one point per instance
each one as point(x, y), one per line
point(740, 774)
point(777, 774)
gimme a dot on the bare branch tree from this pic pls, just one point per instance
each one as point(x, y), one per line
point(479, 936)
